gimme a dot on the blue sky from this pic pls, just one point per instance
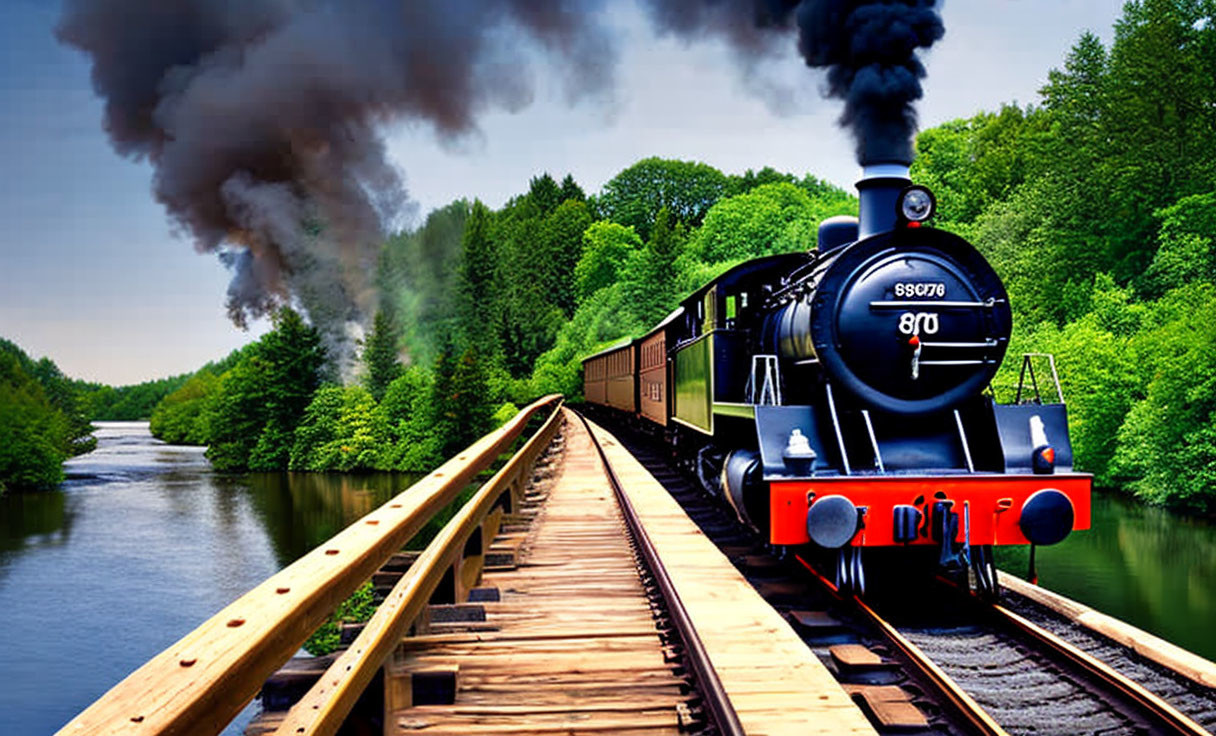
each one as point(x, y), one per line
point(92, 275)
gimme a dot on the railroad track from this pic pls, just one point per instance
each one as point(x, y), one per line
point(970, 667)
point(722, 718)
point(1027, 679)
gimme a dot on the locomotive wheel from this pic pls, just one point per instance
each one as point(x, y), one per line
point(983, 571)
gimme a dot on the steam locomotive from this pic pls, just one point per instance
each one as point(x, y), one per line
point(839, 399)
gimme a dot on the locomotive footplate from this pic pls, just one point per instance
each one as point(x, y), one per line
point(999, 509)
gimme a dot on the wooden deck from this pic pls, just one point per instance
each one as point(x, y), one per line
point(572, 646)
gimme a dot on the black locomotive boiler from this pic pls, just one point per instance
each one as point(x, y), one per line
point(837, 398)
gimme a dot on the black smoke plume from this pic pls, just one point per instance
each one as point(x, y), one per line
point(867, 47)
point(263, 118)
point(869, 50)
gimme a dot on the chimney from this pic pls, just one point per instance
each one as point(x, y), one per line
point(878, 188)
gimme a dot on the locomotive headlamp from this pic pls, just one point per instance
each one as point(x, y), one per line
point(916, 204)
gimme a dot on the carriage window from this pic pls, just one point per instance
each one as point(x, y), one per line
point(730, 307)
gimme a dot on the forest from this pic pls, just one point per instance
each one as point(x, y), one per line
point(1096, 203)
point(482, 310)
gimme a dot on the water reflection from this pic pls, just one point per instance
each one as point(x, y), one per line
point(302, 510)
point(33, 520)
point(1145, 565)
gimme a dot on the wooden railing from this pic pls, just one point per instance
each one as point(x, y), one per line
point(199, 684)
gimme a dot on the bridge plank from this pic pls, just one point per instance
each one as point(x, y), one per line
point(575, 648)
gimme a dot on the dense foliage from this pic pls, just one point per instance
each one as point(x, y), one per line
point(43, 420)
point(271, 409)
point(1098, 208)
point(128, 403)
point(356, 609)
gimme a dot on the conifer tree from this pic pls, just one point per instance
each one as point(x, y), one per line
point(545, 193)
point(380, 359)
point(571, 189)
point(477, 295)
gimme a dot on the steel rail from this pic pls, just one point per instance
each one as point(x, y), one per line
point(721, 711)
point(324, 708)
point(200, 683)
point(963, 703)
point(1153, 705)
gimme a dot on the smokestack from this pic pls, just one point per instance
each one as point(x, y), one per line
point(877, 190)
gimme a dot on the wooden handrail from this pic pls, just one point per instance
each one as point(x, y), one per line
point(323, 709)
point(199, 684)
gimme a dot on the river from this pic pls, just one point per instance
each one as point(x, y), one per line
point(143, 542)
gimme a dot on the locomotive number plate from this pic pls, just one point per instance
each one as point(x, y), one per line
point(914, 323)
point(921, 289)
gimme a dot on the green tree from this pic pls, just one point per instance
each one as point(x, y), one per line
point(341, 430)
point(969, 164)
point(773, 218)
point(236, 416)
point(68, 397)
point(1161, 114)
point(686, 188)
point(65, 395)
point(34, 434)
point(527, 315)
point(606, 248)
point(1167, 444)
point(560, 249)
point(317, 429)
point(181, 418)
point(604, 318)
point(571, 190)
point(1187, 245)
point(262, 398)
point(380, 355)
point(461, 407)
point(545, 193)
point(476, 286)
point(649, 277)
point(406, 413)
point(417, 274)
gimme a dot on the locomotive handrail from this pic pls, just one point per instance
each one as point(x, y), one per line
point(324, 708)
point(1028, 363)
point(200, 683)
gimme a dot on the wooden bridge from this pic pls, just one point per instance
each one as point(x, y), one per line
point(570, 594)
